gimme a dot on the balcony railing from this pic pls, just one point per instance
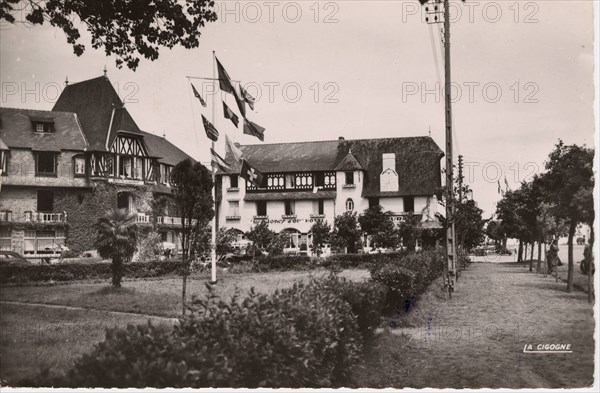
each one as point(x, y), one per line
point(142, 218)
point(45, 217)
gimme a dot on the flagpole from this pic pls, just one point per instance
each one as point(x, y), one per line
point(213, 249)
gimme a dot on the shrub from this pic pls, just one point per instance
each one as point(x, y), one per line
point(149, 247)
point(408, 276)
point(283, 262)
point(400, 281)
point(85, 271)
point(366, 299)
point(305, 336)
point(350, 261)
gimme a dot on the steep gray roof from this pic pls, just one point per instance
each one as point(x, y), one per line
point(93, 100)
point(417, 161)
point(17, 130)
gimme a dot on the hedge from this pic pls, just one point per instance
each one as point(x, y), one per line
point(304, 336)
point(409, 276)
point(86, 271)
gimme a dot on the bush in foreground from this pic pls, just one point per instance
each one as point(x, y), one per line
point(305, 336)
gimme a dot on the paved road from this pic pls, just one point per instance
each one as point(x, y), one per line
point(476, 340)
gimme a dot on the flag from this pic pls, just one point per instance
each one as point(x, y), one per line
point(218, 162)
point(506, 183)
point(211, 131)
point(254, 130)
point(232, 149)
point(198, 96)
point(250, 174)
point(240, 102)
point(224, 80)
point(499, 188)
point(226, 86)
point(228, 113)
point(247, 97)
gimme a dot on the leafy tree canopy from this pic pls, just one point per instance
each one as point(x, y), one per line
point(126, 29)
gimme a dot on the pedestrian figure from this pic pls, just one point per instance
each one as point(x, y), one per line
point(552, 258)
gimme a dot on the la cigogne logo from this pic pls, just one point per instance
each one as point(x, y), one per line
point(547, 348)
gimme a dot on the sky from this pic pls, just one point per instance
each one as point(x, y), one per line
point(522, 75)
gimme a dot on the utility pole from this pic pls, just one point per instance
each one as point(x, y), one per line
point(450, 228)
point(460, 179)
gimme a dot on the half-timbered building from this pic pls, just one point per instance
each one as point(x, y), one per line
point(63, 168)
point(305, 182)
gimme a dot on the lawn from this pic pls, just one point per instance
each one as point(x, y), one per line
point(160, 296)
point(35, 339)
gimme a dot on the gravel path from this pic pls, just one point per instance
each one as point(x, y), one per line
point(476, 340)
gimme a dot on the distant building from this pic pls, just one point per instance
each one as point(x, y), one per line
point(306, 182)
point(62, 169)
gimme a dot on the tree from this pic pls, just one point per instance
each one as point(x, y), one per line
point(495, 231)
point(261, 237)
point(321, 232)
point(225, 239)
point(192, 191)
point(469, 224)
point(117, 240)
point(569, 182)
point(124, 28)
point(346, 234)
point(508, 212)
point(379, 226)
point(409, 232)
point(157, 208)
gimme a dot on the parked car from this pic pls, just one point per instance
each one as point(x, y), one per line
point(11, 258)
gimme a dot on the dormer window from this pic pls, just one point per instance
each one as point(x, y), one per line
point(43, 126)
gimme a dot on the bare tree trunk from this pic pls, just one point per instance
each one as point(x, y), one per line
point(590, 264)
point(572, 229)
point(520, 259)
point(117, 271)
point(539, 260)
point(531, 257)
point(183, 292)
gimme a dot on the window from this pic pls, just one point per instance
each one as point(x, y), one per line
point(290, 181)
point(275, 182)
point(409, 204)
point(45, 201)
point(39, 127)
point(5, 235)
point(123, 200)
point(45, 163)
point(138, 168)
point(290, 208)
point(79, 165)
point(349, 204)
point(261, 208)
point(321, 206)
point(3, 162)
point(233, 181)
point(125, 166)
point(43, 242)
point(349, 178)
point(234, 209)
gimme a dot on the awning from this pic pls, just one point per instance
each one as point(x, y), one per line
point(291, 195)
